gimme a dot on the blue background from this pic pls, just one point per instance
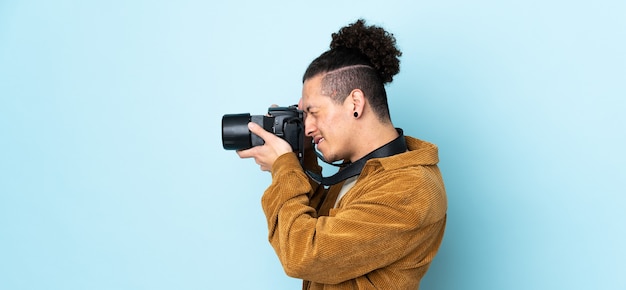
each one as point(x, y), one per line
point(112, 174)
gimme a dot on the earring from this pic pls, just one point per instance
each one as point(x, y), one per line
point(356, 115)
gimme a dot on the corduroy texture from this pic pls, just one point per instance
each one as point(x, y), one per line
point(383, 235)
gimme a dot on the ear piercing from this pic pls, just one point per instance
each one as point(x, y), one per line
point(356, 115)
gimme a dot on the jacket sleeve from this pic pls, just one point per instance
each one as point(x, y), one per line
point(392, 216)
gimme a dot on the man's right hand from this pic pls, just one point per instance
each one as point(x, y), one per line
point(265, 155)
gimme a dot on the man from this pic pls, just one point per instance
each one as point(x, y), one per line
point(380, 224)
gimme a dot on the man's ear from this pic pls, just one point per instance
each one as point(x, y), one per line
point(357, 100)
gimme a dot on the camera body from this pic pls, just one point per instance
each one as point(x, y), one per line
point(284, 122)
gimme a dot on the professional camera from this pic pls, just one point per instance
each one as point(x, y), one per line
point(284, 122)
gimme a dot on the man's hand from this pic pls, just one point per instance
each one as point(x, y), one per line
point(266, 154)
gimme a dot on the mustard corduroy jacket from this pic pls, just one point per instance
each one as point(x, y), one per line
point(383, 234)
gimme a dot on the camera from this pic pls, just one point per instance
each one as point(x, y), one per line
point(284, 122)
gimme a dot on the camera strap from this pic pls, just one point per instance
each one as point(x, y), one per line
point(394, 147)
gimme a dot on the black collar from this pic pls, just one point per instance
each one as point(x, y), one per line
point(394, 147)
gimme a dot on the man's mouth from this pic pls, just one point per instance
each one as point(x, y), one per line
point(318, 140)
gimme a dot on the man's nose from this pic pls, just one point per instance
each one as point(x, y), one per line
point(309, 127)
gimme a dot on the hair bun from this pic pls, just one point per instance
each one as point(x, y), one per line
point(376, 44)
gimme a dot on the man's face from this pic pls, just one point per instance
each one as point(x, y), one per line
point(326, 122)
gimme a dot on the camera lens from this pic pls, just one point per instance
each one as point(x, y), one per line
point(235, 133)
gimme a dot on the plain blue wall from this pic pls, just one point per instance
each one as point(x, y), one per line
point(112, 174)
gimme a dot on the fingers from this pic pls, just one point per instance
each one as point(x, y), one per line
point(247, 153)
point(261, 156)
point(266, 154)
point(259, 131)
point(257, 155)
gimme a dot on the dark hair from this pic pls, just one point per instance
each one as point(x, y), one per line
point(360, 57)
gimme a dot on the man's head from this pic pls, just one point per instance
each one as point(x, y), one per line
point(344, 88)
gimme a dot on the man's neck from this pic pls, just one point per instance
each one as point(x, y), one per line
point(373, 138)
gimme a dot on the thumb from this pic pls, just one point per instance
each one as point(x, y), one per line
point(258, 130)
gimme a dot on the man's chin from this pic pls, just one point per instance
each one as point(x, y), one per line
point(321, 151)
point(331, 159)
